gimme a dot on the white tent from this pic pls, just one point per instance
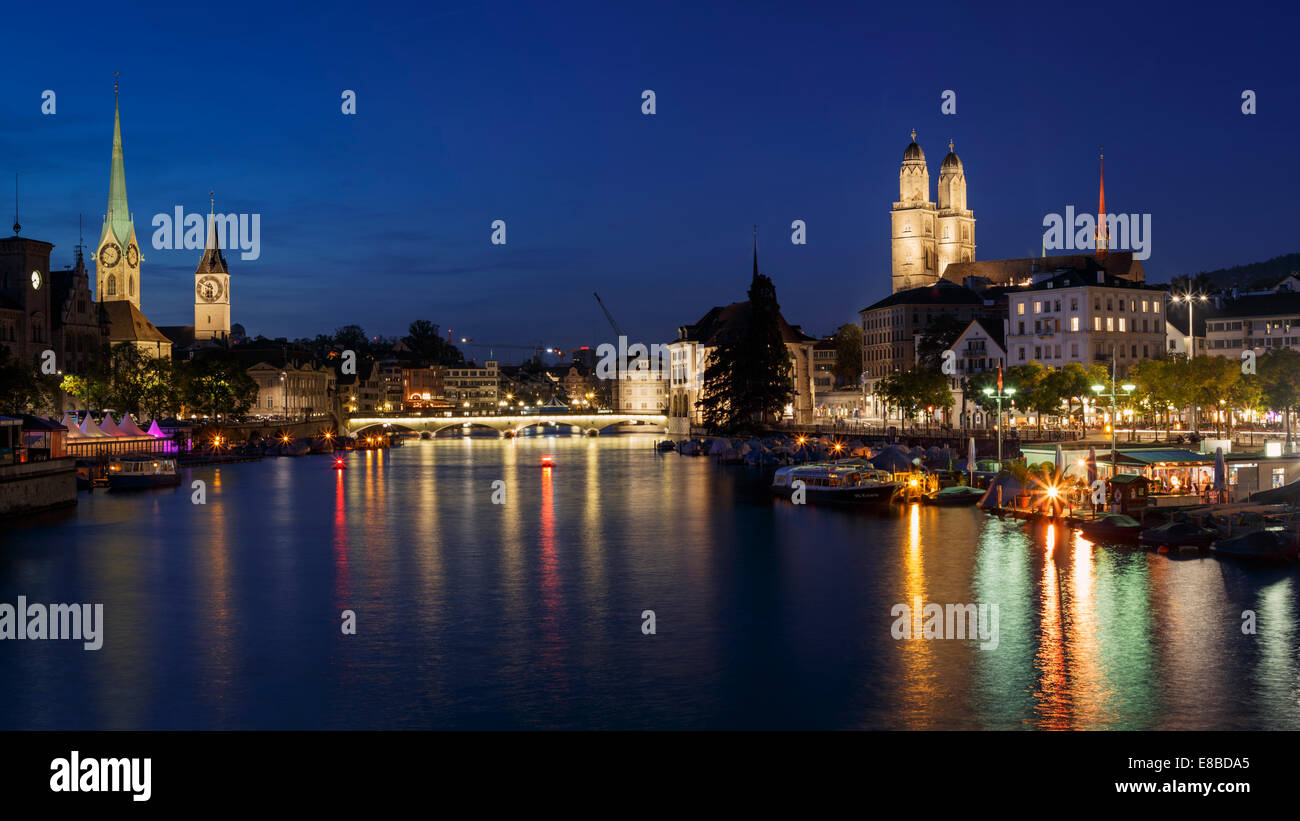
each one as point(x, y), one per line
point(109, 427)
point(70, 422)
point(89, 428)
point(129, 427)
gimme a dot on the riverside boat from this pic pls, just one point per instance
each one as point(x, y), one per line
point(847, 484)
point(955, 495)
point(141, 472)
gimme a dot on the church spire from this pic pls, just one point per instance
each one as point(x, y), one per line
point(119, 213)
point(1102, 233)
point(212, 261)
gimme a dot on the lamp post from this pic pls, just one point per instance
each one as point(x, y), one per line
point(1190, 298)
point(999, 394)
point(1100, 390)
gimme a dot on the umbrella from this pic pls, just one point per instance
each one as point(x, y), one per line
point(970, 459)
point(1060, 460)
point(1092, 465)
point(1220, 470)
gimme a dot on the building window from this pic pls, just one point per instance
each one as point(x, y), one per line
point(1074, 350)
point(1096, 323)
point(1110, 323)
point(1022, 353)
point(1074, 323)
point(1020, 310)
point(1038, 307)
point(1121, 324)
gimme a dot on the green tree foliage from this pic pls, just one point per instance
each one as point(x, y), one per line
point(217, 385)
point(848, 354)
point(915, 390)
point(1279, 375)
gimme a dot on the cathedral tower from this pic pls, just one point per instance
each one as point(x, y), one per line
point(117, 257)
point(914, 251)
point(956, 222)
point(212, 289)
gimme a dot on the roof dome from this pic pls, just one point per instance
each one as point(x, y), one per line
point(952, 160)
point(913, 151)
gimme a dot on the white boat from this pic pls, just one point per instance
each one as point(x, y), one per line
point(139, 472)
point(837, 483)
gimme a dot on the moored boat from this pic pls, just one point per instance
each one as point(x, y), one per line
point(955, 495)
point(1111, 527)
point(1258, 545)
point(832, 483)
point(140, 472)
point(1177, 535)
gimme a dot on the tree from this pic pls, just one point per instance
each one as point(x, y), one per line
point(424, 339)
point(1030, 393)
point(940, 335)
point(1279, 374)
point(23, 389)
point(848, 354)
point(217, 385)
point(914, 390)
point(749, 377)
point(1213, 380)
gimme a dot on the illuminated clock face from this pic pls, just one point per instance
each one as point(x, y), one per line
point(36, 280)
point(110, 254)
point(208, 288)
point(132, 255)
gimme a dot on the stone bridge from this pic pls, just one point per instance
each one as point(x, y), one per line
point(589, 423)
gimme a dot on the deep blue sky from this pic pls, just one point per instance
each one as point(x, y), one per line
point(470, 112)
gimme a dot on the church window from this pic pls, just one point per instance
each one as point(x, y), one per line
point(965, 234)
point(112, 285)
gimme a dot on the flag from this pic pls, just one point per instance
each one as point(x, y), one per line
point(999, 379)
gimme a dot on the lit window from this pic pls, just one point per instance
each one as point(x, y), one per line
point(1110, 323)
point(1020, 306)
point(1121, 324)
point(1074, 323)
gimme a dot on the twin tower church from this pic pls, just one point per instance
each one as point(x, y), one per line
point(118, 261)
point(928, 236)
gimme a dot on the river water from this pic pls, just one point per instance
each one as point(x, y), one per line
point(529, 614)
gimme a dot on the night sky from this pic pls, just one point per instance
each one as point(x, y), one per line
point(767, 113)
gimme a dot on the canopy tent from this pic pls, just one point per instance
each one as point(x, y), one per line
point(89, 428)
point(109, 427)
point(129, 427)
point(156, 431)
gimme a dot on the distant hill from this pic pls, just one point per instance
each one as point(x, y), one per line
point(1244, 276)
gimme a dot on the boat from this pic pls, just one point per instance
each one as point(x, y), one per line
point(1258, 545)
point(140, 472)
point(1111, 527)
point(955, 495)
point(832, 483)
point(666, 445)
point(1178, 535)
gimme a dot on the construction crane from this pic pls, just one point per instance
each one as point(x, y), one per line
point(617, 330)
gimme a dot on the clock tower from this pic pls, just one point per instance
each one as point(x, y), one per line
point(212, 289)
point(117, 256)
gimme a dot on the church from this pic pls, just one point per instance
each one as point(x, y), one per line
point(117, 264)
point(927, 236)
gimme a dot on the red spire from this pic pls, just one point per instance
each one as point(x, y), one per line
point(1102, 233)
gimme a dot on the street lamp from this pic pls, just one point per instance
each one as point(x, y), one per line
point(1190, 298)
point(1100, 390)
point(999, 394)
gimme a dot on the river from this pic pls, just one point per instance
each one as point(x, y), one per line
point(529, 614)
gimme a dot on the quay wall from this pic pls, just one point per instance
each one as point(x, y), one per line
point(32, 486)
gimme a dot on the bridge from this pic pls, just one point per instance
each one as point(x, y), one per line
point(512, 425)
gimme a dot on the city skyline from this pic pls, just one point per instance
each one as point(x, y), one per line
point(425, 252)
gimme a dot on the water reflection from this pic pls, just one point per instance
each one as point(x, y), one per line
point(526, 614)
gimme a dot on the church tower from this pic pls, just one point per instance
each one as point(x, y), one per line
point(956, 222)
point(117, 257)
point(913, 248)
point(212, 288)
